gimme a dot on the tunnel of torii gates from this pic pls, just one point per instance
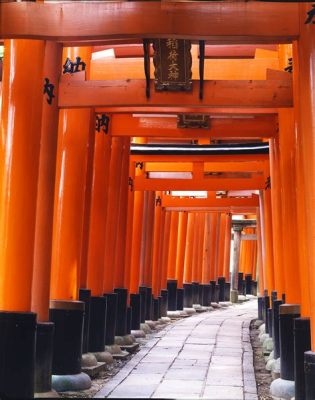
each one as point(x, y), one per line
point(110, 213)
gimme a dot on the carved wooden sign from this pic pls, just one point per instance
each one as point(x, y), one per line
point(172, 61)
point(193, 121)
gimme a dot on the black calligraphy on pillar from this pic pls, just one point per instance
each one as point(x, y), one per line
point(130, 183)
point(311, 16)
point(268, 183)
point(172, 61)
point(139, 164)
point(70, 67)
point(289, 68)
point(102, 122)
point(49, 90)
point(158, 201)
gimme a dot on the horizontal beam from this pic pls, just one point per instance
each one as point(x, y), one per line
point(199, 158)
point(228, 22)
point(228, 111)
point(208, 184)
point(252, 166)
point(131, 93)
point(173, 201)
point(251, 127)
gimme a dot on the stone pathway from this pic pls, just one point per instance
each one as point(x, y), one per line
point(207, 356)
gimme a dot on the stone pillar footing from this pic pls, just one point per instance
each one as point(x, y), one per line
point(65, 383)
point(282, 389)
point(234, 296)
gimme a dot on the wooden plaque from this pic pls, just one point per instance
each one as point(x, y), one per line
point(172, 62)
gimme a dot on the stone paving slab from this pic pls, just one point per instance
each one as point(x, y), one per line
point(205, 356)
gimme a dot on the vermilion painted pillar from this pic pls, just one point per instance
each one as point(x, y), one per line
point(268, 238)
point(302, 223)
point(206, 250)
point(128, 247)
point(214, 243)
point(73, 140)
point(194, 262)
point(172, 249)
point(148, 253)
point(157, 238)
point(289, 205)
point(98, 213)
point(165, 249)
point(20, 135)
point(305, 142)
point(221, 244)
point(181, 244)
point(112, 213)
point(260, 265)
point(46, 186)
point(227, 246)
point(200, 244)
point(189, 248)
point(120, 249)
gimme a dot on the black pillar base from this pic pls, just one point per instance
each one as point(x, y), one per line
point(121, 323)
point(44, 355)
point(217, 294)
point(188, 295)
point(248, 284)
point(172, 294)
point(241, 285)
point(156, 309)
point(254, 288)
point(143, 297)
point(274, 296)
point(221, 283)
point(97, 324)
point(302, 343)
point(195, 292)
point(180, 299)
point(85, 296)
point(135, 303)
point(213, 285)
point(260, 311)
point(160, 306)
point(206, 295)
point(17, 349)
point(164, 302)
point(128, 320)
point(67, 350)
point(275, 328)
point(227, 291)
point(288, 312)
point(111, 318)
point(269, 315)
point(309, 370)
point(266, 306)
point(148, 304)
point(200, 293)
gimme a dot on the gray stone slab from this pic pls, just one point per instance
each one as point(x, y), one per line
point(170, 387)
point(147, 368)
point(226, 360)
point(133, 391)
point(223, 393)
point(188, 373)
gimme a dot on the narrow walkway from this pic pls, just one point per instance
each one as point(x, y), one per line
point(208, 356)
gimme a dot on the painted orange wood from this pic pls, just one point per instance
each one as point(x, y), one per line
point(194, 261)
point(98, 214)
point(221, 238)
point(180, 249)
point(235, 23)
point(200, 246)
point(165, 249)
point(19, 162)
point(214, 246)
point(227, 246)
point(120, 253)
point(46, 188)
point(172, 249)
point(206, 250)
point(157, 239)
point(277, 223)
point(147, 276)
point(272, 93)
point(300, 194)
point(189, 248)
point(261, 267)
point(251, 127)
point(229, 166)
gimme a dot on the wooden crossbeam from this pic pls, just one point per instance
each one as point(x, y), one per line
point(237, 127)
point(208, 184)
point(251, 166)
point(131, 93)
point(219, 22)
point(198, 203)
point(199, 158)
